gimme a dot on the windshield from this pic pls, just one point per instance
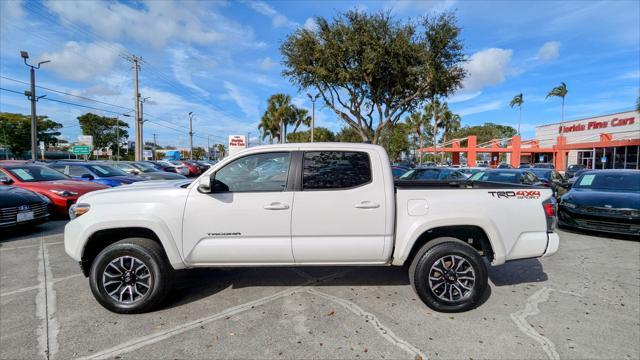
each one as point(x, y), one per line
point(610, 182)
point(36, 173)
point(421, 174)
point(145, 167)
point(496, 176)
point(542, 173)
point(106, 171)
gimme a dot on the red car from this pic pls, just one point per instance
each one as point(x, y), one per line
point(62, 191)
point(194, 169)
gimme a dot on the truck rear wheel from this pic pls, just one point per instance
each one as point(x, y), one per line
point(448, 275)
point(130, 276)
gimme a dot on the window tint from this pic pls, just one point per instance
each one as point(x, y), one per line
point(75, 170)
point(254, 173)
point(335, 170)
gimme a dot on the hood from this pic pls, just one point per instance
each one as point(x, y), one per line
point(151, 188)
point(606, 199)
point(81, 187)
point(130, 179)
point(11, 196)
point(161, 175)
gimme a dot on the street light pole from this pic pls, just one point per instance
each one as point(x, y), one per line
point(313, 112)
point(191, 135)
point(33, 98)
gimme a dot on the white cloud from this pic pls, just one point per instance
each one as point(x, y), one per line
point(247, 102)
point(83, 61)
point(631, 75)
point(277, 19)
point(549, 51)
point(11, 10)
point(154, 22)
point(463, 96)
point(485, 68)
point(182, 65)
point(267, 63)
point(420, 6)
point(311, 25)
point(493, 105)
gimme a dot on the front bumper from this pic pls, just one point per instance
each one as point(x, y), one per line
point(600, 221)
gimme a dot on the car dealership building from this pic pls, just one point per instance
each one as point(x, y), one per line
point(601, 142)
point(608, 141)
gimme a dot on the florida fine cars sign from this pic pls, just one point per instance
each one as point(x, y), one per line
point(593, 125)
point(236, 143)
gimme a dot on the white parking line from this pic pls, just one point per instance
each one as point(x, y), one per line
point(140, 342)
point(384, 331)
point(46, 306)
point(4, 248)
point(36, 287)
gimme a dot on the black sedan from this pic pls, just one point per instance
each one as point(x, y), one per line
point(605, 201)
point(509, 176)
point(21, 207)
point(552, 179)
point(433, 173)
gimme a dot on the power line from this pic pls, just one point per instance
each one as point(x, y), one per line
point(67, 94)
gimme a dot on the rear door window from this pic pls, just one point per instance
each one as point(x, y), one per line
point(335, 170)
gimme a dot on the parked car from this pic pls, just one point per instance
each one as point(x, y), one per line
point(398, 170)
point(22, 207)
point(509, 176)
point(149, 172)
point(347, 211)
point(572, 170)
point(194, 169)
point(433, 173)
point(97, 172)
point(552, 179)
point(525, 166)
point(504, 166)
point(167, 166)
point(543, 166)
point(603, 200)
point(59, 188)
point(468, 172)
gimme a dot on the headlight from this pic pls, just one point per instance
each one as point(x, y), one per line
point(76, 210)
point(44, 198)
point(63, 193)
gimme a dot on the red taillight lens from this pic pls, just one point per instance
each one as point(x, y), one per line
point(549, 209)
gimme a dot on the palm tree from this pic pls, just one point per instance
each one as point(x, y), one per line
point(435, 110)
point(221, 151)
point(450, 123)
point(518, 100)
point(560, 91)
point(415, 121)
point(277, 117)
point(300, 117)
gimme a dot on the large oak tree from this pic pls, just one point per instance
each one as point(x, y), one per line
point(371, 69)
point(15, 130)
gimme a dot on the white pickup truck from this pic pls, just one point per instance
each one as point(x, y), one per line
point(315, 204)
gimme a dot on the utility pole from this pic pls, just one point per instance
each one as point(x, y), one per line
point(191, 135)
point(313, 112)
point(32, 96)
point(136, 98)
point(154, 147)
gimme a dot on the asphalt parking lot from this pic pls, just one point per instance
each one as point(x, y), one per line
point(583, 302)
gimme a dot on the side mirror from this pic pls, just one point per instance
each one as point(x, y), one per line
point(87, 176)
point(204, 184)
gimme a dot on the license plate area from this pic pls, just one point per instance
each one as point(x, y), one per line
point(24, 216)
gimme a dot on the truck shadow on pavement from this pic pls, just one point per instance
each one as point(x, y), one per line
point(517, 272)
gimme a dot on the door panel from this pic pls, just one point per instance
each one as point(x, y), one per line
point(342, 217)
point(233, 228)
point(248, 220)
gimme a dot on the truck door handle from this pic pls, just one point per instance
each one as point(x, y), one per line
point(276, 206)
point(367, 205)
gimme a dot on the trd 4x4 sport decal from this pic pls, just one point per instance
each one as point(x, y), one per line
point(521, 194)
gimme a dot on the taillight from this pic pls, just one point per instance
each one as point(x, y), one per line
point(549, 207)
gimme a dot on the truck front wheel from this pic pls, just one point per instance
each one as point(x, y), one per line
point(448, 275)
point(130, 276)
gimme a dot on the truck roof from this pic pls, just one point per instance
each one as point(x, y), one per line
point(315, 146)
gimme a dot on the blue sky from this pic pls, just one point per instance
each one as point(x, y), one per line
point(221, 59)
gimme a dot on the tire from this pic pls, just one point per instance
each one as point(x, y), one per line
point(448, 291)
point(135, 271)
